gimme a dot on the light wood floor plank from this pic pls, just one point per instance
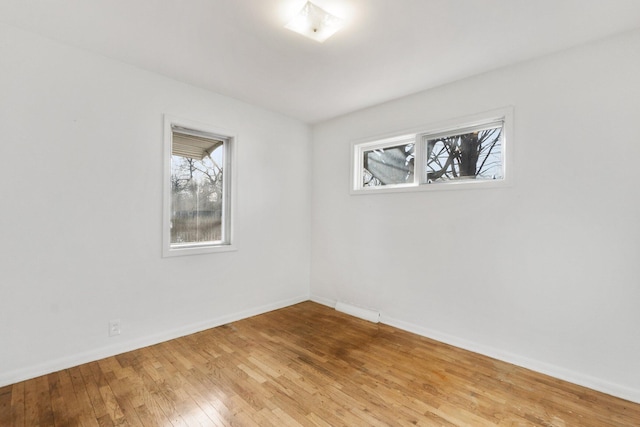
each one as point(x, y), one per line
point(306, 365)
point(5, 405)
point(17, 405)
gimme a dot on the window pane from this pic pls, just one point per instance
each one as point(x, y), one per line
point(196, 190)
point(387, 166)
point(473, 155)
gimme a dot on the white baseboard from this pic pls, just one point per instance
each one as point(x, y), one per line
point(324, 301)
point(360, 312)
point(597, 384)
point(593, 383)
point(23, 374)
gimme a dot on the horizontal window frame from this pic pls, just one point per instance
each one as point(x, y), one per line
point(471, 123)
point(384, 143)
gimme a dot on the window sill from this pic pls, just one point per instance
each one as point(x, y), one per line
point(452, 185)
point(197, 250)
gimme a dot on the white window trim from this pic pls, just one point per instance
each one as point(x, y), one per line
point(358, 148)
point(229, 192)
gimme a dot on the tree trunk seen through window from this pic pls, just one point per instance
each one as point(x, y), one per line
point(474, 155)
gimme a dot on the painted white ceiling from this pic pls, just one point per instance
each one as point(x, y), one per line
point(390, 48)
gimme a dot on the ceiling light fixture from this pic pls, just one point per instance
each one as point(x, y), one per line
point(314, 22)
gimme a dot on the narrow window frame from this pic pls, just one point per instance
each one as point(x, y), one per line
point(227, 242)
point(420, 134)
point(360, 149)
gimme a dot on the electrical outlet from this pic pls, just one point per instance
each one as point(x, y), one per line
point(114, 327)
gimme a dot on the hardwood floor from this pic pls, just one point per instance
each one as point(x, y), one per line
point(305, 365)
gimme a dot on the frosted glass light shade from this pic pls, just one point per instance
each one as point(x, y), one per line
point(314, 22)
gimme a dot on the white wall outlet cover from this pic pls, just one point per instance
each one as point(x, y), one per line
point(114, 327)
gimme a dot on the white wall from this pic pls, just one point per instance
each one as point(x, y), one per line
point(545, 273)
point(81, 225)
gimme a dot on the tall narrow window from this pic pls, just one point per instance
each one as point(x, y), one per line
point(197, 205)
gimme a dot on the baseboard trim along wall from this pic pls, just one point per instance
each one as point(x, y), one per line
point(577, 378)
point(573, 377)
point(324, 301)
point(112, 350)
point(361, 312)
point(593, 383)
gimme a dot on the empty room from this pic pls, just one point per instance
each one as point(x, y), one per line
point(325, 213)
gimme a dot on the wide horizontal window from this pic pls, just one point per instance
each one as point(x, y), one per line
point(465, 151)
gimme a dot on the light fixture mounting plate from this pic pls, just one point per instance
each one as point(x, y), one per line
point(314, 22)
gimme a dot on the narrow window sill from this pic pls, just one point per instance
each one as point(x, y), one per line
point(440, 186)
point(197, 250)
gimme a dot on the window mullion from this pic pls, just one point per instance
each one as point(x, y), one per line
point(419, 173)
